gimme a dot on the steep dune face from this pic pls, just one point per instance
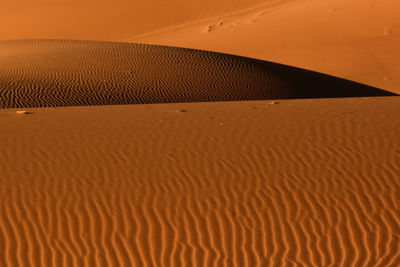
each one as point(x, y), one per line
point(67, 73)
point(302, 182)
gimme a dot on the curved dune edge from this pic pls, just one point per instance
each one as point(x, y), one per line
point(52, 73)
point(298, 182)
point(356, 40)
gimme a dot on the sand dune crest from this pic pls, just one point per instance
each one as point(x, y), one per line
point(49, 73)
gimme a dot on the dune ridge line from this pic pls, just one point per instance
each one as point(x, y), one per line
point(52, 73)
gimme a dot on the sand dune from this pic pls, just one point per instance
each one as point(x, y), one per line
point(356, 40)
point(285, 182)
point(68, 73)
point(300, 182)
point(106, 20)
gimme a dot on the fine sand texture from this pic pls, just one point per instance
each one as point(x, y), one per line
point(273, 160)
point(67, 73)
point(257, 183)
point(106, 20)
point(357, 40)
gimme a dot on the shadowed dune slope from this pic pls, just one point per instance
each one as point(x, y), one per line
point(358, 40)
point(298, 183)
point(40, 73)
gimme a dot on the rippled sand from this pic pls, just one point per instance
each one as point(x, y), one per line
point(263, 165)
point(68, 73)
point(256, 183)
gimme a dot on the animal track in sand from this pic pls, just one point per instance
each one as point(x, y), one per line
point(233, 23)
point(248, 16)
point(212, 27)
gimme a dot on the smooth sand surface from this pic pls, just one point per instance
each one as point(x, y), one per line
point(295, 183)
point(107, 20)
point(68, 73)
point(357, 40)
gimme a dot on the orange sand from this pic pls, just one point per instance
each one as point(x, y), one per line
point(298, 182)
point(70, 73)
point(107, 20)
point(357, 40)
point(301, 182)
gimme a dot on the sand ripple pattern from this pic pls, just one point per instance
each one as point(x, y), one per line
point(52, 73)
point(222, 184)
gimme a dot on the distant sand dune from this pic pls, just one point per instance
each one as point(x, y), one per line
point(49, 73)
point(300, 183)
point(357, 40)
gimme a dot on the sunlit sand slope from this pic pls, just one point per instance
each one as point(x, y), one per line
point(68, 73)
point(358, 40)
point(295, 183)
point(106, 20)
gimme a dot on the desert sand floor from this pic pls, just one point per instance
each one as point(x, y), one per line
point(257, 183)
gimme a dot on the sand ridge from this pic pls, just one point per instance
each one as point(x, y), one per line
point(356, 40)
point(40, 73)
point(298, 182)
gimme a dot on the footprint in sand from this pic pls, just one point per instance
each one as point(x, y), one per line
point(212, 27)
